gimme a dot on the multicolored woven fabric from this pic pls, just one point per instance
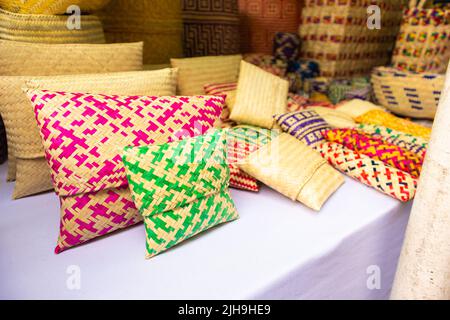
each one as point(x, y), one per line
point(391, 181)
point(299, 71)
point(228, 90)
point(305, 125)
point(211, 27)
point(377, 149)
point(406, 141)
point(267, 63)
point(388, 120)
point(180, 188)
point(286, 46)
point(339, 88)
point(242, 141)
point(83, 135)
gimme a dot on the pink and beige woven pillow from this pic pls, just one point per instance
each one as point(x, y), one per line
point(227, 89)
point(83, 137)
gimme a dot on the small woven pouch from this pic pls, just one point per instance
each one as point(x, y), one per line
point(378, 117)
point(83, 137)
point(373, 173)
point(378, 149)
point(290, 167)
point(180, 188)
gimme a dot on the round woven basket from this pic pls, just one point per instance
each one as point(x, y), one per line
point(408, 93)
point(50, 6)
point(49, 29)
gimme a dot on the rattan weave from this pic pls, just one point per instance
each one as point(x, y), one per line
point(50, 6)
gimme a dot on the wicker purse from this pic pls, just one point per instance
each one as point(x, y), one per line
point(40, 28)
point(408, 93)
point(290, 167)
point(33, 59)
point(83, 137)
point(180, 188)
point(423, 44)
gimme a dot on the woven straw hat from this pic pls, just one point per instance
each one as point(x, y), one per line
point(49, 29)
point(50, 6)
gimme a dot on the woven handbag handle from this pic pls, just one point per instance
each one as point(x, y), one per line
point(417, 4)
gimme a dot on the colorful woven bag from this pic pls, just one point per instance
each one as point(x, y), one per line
point(423, 44)
point(290, 167)
point(373, 173)
point(339, 89)
point(180, 188)
point(378, 117)
point(286, 46)
point(259, 96)
point(83, 136)
point(298, 72)
point(408, 93)
point(406, 141)
point(305, 125)
point(378, 149)
point(243, 141)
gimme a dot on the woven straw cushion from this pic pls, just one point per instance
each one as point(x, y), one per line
point(305, 125)
point(29, 59)
point(180, 188)
point(24, 134)
point(50, 6)
point(83, 136)
point(259, 96)
point(334, 118)
point(378, 149)
point(382, 118)
point(227, 89)
point(293, 169)
point(194, 73)
point(406, 141)
point(356, 107)
point(49, 29)
point(242, 141)
point(391, 181)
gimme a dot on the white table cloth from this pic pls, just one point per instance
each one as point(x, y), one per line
point(277, 249)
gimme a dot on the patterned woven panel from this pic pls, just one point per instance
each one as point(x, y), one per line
point(242, 141)
point(262, 19)
point(305, 125)
point(337, 36)
point(180, 188)
point(91, 215)
point(50, 6)
point(82, 133)
point(373, 173)
point(388, 120)
point(229, 91)
point(292, 168)
point(49, 28)
point(259, 96)
point(32, 177)
point(158, 23)
point(406, 141)
point(211, 27)
point(286, 46)
point(194, 73)
point(377, 149)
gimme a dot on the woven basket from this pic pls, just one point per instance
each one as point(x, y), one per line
point(423, 44)
point(23, 133)
point(157, 23)
point(51, 7)
point(260, 95)
point(49, 29)
point(210, 27)
point(32, 59)
point(335, 34)
point(408, 93)
point(295, 170)
point(261, 20)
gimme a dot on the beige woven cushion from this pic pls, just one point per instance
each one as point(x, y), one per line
point(49, 29)
point(357, 107)
point(194, 73)
point(24, 133)
point(335, 118)
point(260, 95)
point(31, 59)
point(295, 170)
point(51, 6)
